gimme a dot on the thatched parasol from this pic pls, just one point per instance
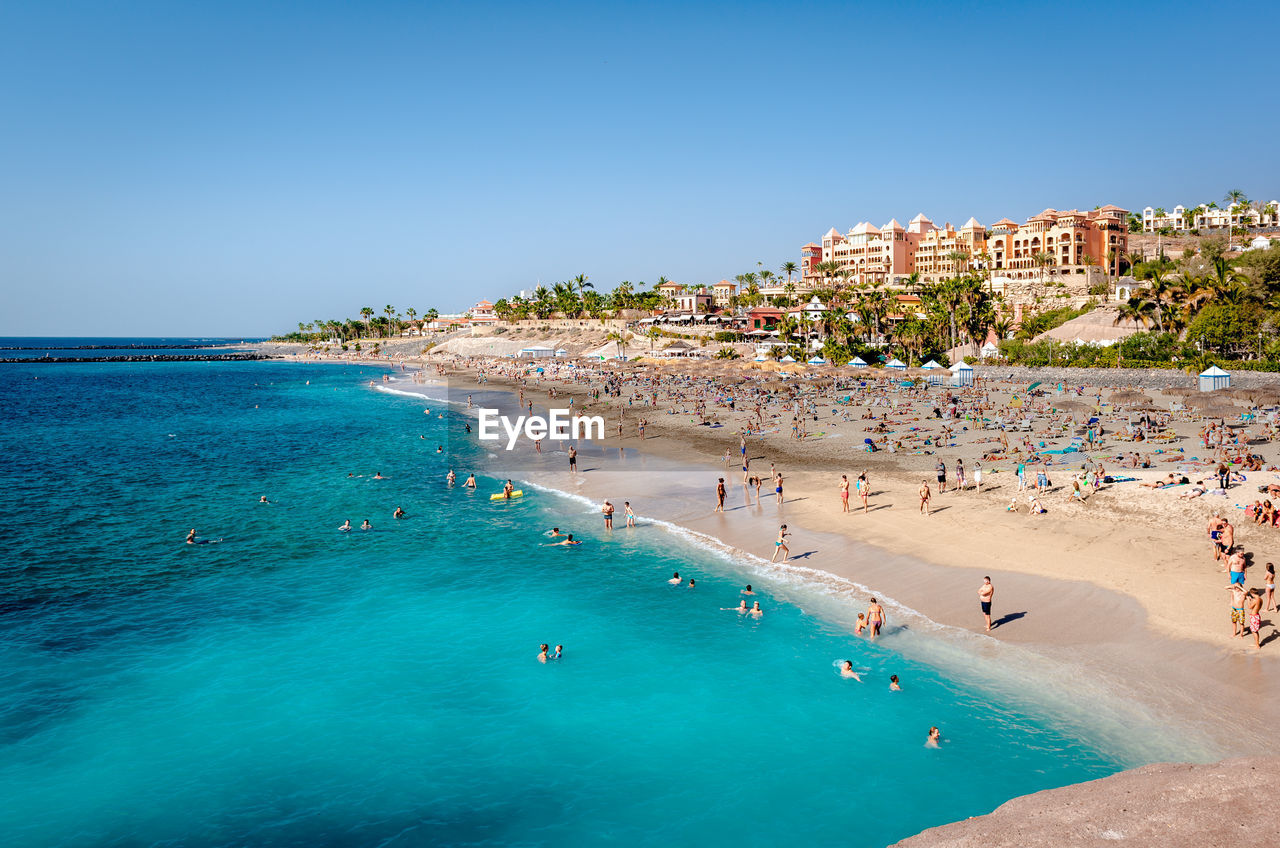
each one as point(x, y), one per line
point(1181, 391)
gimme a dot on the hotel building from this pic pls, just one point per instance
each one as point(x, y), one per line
point(888, 255)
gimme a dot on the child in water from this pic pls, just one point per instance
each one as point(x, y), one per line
point(861, 625)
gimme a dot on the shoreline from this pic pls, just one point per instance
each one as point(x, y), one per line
point(1094, 630)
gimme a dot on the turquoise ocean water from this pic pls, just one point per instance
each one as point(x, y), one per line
point(295, 685)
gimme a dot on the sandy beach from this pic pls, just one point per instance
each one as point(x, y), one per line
point(1120, 590)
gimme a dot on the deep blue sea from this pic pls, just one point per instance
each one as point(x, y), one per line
point(34, 347)
point(293, 685)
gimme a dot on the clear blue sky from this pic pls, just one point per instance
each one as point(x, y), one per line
point(226, 168)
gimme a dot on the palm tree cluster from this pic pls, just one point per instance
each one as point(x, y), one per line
point(369, 325)
point(1227, 305)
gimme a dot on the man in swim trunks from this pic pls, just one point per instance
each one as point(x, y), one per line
point(471, 482)
point(985, 594)
point(1236, 567)
point(1254, 604)
point(941, 469)
point(607, 510)
point(573, 460)
point(1237, 609)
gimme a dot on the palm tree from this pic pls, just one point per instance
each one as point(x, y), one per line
point(1135, 309)
point(413, 314)
point(788, 268)
point(390, 311)
point(1042, 259)
point(580, 283)
point(957, 258)
point(367, 313)
point(1235, 197)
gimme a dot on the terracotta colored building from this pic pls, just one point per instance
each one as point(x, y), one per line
point(1072, 240)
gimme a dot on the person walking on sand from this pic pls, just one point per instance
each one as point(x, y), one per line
point(864, 491)
point(844, 493)
point(985, 593)
point(780, 546)
point(977, 477)
point(960, 481)
point(720, 493)
point(573, 460)
point(924, 496)
point(777, 488)
point(631, 516)
point(941, 471)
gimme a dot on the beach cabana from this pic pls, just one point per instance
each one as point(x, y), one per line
point(962, 374)
point(536, 353)
point(896, 364)
point(1214, 378)
point(817, 360)
point(787, 358)
point(561, 353)
point(989, 350)
point(857, 362)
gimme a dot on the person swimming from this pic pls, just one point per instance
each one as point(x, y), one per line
point(451, 477)
point(747, 591)
point(559, 652)
point(691, 582)
point(471, 482)
point(740, 608)
point(399, 513)
point(755, 610)
point(346, 526)
point(264, 500)
point(378, 476)
point(675, 580)
point(847, 671)
point(893, 683)
point(555, 531)
point(542, 653)
point(366, 525)
point(568, 541)
point(935, 736)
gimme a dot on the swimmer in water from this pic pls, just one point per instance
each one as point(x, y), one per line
point(847, 671)
point(439, 448)
point(399, 513)
point(192, 540)
point(893, 683)
point(191, 537)
point(559, 652)
point(264, 500)
point(861, 625)
point(691, 582)
point(741, 607)
point(567, 541)
point(555, 531)
point(507, 489)
point(378, 476)
point(747, 591)
point(346, 526)
point(366, 525)
point(471, 482)
point(674, 581)
point(756, 611)
point(542, 653)
point(935, 736)
point(451, 477)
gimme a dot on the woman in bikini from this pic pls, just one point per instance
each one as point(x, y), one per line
point(864, 490)
point(844, 493)
point(875, 618)
point(1271, 587)
point(780, 546)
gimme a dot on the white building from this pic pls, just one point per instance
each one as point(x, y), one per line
point(1203, 217)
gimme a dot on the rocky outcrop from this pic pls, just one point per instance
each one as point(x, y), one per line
point(1169, 805)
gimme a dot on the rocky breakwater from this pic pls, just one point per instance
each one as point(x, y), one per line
point(1169, 805)
point(141, 357)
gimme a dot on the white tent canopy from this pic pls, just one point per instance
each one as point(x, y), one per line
point(1214, 378)
point(896, 363)
point(536, 352)
point(857, 362)
point(787, 358)
point(932, 363)
point(961, 374)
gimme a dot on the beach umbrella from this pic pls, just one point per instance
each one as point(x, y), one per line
point(1181, 391)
